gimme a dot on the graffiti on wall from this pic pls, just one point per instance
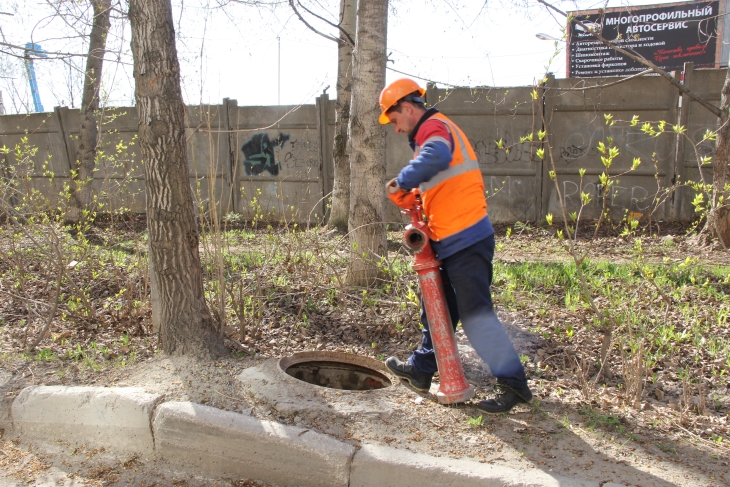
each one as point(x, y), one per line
point(621, 198)
point(488, 152)
point(303, 156)
point(573, 152)
point(259, 155)
point(631, 141)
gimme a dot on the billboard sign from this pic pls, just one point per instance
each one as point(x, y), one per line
point(667, 35)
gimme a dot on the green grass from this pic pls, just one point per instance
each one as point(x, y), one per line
point(298, 273)
point(594, 419)
point(696, 322)
point(475, 422)
point(45, 355)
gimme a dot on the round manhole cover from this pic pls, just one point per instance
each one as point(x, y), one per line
point(336, 370)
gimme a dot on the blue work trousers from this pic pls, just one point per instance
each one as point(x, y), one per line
point(467, 278)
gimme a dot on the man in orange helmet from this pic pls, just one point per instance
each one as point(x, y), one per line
point(445, 171)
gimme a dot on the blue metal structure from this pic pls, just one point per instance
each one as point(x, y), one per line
point(33, 50)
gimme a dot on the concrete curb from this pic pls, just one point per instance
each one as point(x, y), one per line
point(6, 417)
point(226, 443)
point(382, 466)
point(221, 443)
point(117, 418)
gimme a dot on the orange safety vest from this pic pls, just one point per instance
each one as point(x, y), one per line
point(453, 199)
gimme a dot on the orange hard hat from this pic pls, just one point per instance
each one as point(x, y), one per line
point(393, 93)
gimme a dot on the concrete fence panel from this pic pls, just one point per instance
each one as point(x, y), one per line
point(278, 162)
point(275, 163)
point(119, 176)
point(43, 154)
point(576, 124)
point(697, 119)
point(489, 115)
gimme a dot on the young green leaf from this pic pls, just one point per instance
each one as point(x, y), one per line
point(709, 135)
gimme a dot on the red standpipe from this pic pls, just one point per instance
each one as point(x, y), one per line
point(454, 387)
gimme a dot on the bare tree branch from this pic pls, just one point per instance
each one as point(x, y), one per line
point(73, 25)
point(640, 59)
point(61, 55)
point(336, 26)
point(637, 75)
point(55, 55)
point(251, 2)
point(422, 78)
point(55, 301)
point(326, 36)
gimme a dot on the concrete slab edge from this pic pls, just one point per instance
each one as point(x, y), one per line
point(231, 444)
point(235, 445)
point(96, 417)
point(382, 466)
point(6, 417)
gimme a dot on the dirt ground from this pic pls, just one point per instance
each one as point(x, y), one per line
point(564, 433)
point(553, 436)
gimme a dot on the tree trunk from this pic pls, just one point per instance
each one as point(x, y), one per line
point(367, 144)
point(88, 132)
point(340, 211)
point(186, 325)
point(718, 221)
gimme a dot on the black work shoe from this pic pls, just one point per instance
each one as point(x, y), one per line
point(404, 370)
point(508, 398)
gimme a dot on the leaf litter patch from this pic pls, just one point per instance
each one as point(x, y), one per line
point(577, 427)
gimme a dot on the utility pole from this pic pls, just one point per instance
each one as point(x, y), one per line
point(278, 73)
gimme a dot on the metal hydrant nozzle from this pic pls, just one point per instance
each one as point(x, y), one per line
point(454, 387)
point(415, 238)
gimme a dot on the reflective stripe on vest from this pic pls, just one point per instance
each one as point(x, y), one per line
point(455, 170)
point(434, 139)
point(453, 199)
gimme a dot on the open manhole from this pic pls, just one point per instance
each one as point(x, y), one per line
point(336, 370)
